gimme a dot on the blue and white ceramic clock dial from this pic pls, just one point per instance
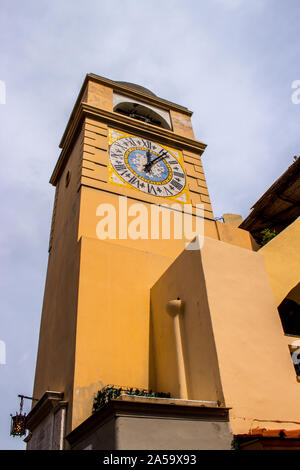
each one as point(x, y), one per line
point(147, 166)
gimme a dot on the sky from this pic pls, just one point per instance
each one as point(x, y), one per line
point(232, 62)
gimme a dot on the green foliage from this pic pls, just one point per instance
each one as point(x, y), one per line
point(110, 392)
point(267, 235)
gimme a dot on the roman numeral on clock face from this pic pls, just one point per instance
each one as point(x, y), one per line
point(130, 141)
point(176, 184)
point(120, 146)
point(120, 167)
point(116, 155)
point(132, 180)
point(180, 175)
point(151, 189)
point(147, 144)
point(167, 191)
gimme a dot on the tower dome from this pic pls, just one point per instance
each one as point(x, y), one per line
point(137, 88)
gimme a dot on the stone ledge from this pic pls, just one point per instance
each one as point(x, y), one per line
point(49, 401)
point(144, 407)
point(167, 401)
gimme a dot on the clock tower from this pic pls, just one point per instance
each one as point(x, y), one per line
point(124, 152)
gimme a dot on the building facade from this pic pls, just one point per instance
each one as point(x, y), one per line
point(163, 300)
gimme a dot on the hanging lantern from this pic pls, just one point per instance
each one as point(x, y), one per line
point(18, 425)
point(18, 421)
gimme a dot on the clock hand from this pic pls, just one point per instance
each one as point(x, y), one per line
point(149, 165)
point(148, 155)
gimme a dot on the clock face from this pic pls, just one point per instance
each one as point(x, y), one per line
point(147, 166)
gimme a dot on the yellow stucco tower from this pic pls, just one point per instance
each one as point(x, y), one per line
point(129, 304)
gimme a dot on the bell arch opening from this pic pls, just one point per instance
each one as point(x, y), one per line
point(142, 113)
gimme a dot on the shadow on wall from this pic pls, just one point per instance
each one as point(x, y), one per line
point(289, 311)
point(182, 353)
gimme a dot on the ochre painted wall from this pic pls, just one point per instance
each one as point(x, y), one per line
point(233, 343)
point(257, 373)
point(56, 350)
point(184, 279)
point(282, 255)
point(112, 335)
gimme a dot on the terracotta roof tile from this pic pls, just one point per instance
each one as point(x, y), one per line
point(278, 433)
